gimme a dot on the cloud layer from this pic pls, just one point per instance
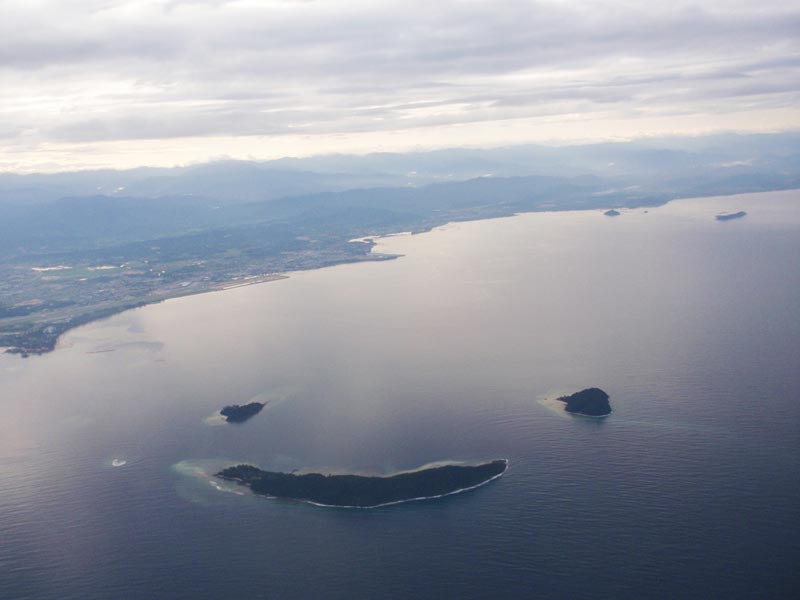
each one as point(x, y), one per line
point(99, 76)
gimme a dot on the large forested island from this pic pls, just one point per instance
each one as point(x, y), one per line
point(591, 402)
point(235, 413)
point(358, 491)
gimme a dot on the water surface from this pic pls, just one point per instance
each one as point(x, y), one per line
point(452, 352)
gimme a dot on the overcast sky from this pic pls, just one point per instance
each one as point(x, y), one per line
point(87, 83)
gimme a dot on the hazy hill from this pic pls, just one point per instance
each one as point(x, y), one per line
point(141, 235)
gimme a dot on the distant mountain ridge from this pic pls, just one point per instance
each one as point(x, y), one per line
point(210, 226)
point(234, 181)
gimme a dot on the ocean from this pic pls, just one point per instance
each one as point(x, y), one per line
point(455, 351)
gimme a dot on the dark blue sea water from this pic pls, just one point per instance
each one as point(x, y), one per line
point(690, 489)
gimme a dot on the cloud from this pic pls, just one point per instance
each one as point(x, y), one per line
point(104, 70)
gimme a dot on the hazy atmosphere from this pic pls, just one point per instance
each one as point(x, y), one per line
point(363, 299)
point(104, 83)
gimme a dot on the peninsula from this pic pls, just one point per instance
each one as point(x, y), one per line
point(358, 491)
point(591, 402)
point(731, 216)
point(239, 414)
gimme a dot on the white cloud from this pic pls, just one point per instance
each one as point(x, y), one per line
point(80, 81)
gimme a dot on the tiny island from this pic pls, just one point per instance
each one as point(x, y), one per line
point(731, 216)
point(591, 402)
point(612, 213)
point(359, 491)
point(239, 414)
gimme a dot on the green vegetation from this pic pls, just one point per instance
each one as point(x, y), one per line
point(32, 337)
point(361, 491)
point(63, 274)
point(235, 413)
point(69, 255)
point(591, 402)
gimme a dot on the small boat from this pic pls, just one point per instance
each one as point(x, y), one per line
point(729, 216)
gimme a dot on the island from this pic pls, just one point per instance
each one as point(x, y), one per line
point(612, 213)
point(239, 414)
point(359, 491)
point(591, 402)
point(731, 216)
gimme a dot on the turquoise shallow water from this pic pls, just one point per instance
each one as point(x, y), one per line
point(690, 489)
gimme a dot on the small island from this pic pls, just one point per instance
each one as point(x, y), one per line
point(591, 402)
point(239, 414)
point(359, 491)
point(612, 213)
point(731, 216)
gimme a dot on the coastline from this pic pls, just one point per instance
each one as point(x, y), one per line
point(580, 414)
point(505, 461)
point(454, 492)
point(252, 280)
point(67, 322)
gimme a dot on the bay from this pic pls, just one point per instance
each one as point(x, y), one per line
point(454, 351)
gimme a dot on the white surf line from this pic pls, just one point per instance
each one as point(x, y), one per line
point(466, 489)
point(580, 414)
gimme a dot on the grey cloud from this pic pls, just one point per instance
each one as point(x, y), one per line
point(191, 68)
